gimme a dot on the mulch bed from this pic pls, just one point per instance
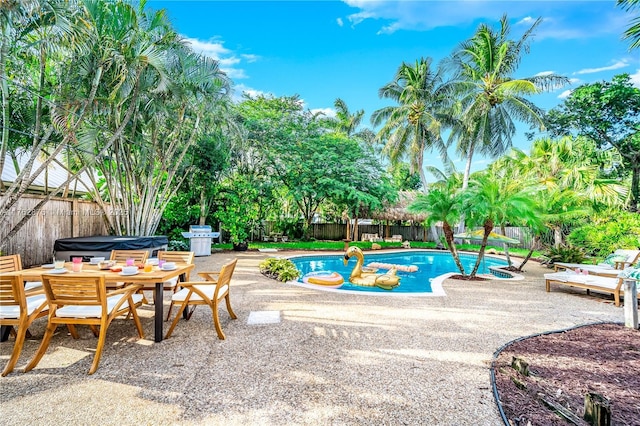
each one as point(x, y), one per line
point(601, 358)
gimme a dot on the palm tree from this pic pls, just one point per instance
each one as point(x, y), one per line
point(633, 32)
point(442, 204)
point(413, 126)
point(491, 99)
point(491, 201)
point(347, 122)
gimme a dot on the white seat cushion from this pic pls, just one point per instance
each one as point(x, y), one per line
point(13, 311)
point(32, 285)
point(95, 311)
point(208, 290)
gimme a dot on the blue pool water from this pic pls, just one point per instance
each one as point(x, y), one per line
point(430, 265)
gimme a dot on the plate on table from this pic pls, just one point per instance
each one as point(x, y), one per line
point(125, 275)
point(169, 269)
point(58, 271)
point(49, 266)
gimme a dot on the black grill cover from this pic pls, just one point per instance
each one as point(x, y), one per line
point(109, 242)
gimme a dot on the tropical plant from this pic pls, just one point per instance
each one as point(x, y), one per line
point(490, 98)
point(280, 269)
point(413, 126)
point(607, 232)
point(442, 203)
point(566, 254)
point(633, 32)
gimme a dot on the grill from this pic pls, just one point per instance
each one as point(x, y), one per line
point(200, 238)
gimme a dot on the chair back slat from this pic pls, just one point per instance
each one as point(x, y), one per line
point(10, 263)
point(75, 289)
point(177, 256)
point(226, 272)
point(12, 291)
point(139, 256)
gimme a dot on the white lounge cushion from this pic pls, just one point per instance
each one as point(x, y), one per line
point(13, 311)
point(79, 311)
point(591, 280)
point(208, 290)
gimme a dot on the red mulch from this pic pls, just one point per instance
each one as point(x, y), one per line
point(601, 358)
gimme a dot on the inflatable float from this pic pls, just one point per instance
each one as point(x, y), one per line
point(363, 276)
point(403, 268)
point(324, 278)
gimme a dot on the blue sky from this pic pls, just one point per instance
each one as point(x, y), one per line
point(323, 50)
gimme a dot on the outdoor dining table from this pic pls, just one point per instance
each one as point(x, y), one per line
point(157, 276)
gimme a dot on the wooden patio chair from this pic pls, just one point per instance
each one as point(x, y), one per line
point(13, 263)
point(19, 311)
point(209, 292)
point(76, 299)
point(172, 284)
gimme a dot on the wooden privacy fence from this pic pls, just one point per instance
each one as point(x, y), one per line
point(59, 218)
point(337, 231)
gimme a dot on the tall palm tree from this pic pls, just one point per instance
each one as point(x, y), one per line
point(491, 99)
point(413, 126)
point(347, 122)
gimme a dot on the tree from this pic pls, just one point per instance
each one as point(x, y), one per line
point(442, 203)
point(490, 98)
point(608, 113)
point(633, 32)
point(491, 201)
point(413, 126)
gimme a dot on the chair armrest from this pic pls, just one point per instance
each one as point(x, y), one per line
point(126, 289)
point(207, 275)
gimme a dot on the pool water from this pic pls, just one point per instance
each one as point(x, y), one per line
point(431, 264)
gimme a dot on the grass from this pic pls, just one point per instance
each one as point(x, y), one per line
point(339, 246)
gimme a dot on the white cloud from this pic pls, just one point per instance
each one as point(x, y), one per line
point(544, 73)
point(560, 19)
point(226, 58)
point(635, 78)
point(327, 112)
point(339, 22)
point(615, 66)
point(574, 81)
point(565, 94)
point(240, 89)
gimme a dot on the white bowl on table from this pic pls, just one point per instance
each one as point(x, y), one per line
point(169, 266)
point(129, 270)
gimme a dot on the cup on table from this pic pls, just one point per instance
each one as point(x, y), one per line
point(130, 262)
point(160, 263)
point(76, 266)
point(58, 263)
point(148, 267)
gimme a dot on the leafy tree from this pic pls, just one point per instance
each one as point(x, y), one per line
point(608, 232)
point(608, 113)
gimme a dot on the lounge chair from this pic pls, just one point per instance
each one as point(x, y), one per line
point(611, 285)
point(619, 259)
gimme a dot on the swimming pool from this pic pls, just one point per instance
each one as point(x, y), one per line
point(431, 264)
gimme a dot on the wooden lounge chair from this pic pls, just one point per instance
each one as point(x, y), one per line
point(610, 285)
point(82, 299)
point(619, 259)
point(209, 292)
point(18, 310)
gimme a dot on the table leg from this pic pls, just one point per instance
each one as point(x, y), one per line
point(185, 313)
point(159, 315)
point(5, 331)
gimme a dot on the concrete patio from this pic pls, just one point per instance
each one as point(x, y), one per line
point(297, 356)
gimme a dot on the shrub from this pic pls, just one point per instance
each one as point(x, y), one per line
point(279, 269)
point(621, 230)
point(566, 254)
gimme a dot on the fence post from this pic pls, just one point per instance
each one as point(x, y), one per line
point(630, 304)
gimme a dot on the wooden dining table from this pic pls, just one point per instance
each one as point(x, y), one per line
point(157, 276)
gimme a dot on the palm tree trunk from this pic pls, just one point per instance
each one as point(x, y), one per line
point(534, 244)
point(448, 235)
point(488, 227)
point(465, 182)
point(506, 246)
